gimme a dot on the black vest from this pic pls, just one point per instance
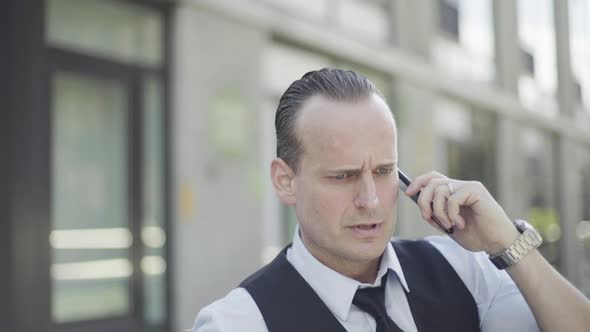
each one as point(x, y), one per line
point(438, 299)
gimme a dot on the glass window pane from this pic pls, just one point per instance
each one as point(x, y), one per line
point(111, 29)
point(538, 152)
point(153, 235)
point(579, 19)
point(465, 45)
point(536, 31)
point(90, 238)
point(470, 142)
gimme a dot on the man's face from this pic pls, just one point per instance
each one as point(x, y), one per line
point(346, 188)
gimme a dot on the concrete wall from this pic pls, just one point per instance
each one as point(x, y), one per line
point(217, 188)
point(225, 215)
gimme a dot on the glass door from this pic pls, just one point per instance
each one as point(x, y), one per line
point(91, 236)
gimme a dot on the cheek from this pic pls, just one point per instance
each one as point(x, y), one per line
point(326, 206)
point(389, 193)
point(330, 205)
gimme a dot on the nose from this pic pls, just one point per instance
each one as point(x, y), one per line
point(366, 197)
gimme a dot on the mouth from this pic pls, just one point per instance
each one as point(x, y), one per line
point(366, 230)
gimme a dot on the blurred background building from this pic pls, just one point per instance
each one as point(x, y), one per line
point(136, 137)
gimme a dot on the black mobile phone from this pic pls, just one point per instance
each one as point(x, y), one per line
point(405, 183)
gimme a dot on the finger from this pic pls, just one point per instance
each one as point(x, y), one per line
point(454, 211)
point(466, 194)
point(439, 203)
point(435, 225)
point(425, 199)
point(421, 181)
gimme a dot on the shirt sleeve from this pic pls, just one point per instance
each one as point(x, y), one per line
point(500, 304)
point(237, 311)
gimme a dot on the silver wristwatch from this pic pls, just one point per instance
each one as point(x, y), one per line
point(528, 240)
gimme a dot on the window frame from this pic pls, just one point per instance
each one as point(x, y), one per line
point(30, 65)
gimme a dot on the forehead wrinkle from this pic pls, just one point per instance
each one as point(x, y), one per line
point(333, 132)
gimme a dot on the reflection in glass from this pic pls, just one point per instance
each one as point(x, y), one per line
point(153, 235)
point(107, 28)
point(473, 156)
point(465, 44)
point(579, 26)
point(536, 30)
point(538, 153)
point(90, 239)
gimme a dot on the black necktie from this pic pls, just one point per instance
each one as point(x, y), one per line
point(372, 301)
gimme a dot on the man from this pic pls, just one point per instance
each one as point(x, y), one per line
point(337, 165)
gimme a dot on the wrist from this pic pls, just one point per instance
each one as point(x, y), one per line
point(528, 240)
point(504, 240)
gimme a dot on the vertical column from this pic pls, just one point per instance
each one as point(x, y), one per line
point(507, 50)
point(29, 157)
point(217, 225)
point(415, 26)
point(565, 80)
point(6, 104)
point(415, 23)
point(568, 174)
point(569, 189)
point(508, 67)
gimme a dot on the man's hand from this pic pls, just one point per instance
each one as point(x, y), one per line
point(482, 225)
point(480, 222)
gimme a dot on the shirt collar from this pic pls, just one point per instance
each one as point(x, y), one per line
point(337, 290)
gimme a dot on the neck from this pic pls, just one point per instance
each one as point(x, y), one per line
point(361, 271)
point(367, 273)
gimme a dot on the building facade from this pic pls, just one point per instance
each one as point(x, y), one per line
point(139, 134)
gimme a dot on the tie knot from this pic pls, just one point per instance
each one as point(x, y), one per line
point(371, 300)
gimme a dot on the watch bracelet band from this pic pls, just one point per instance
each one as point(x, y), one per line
point(528, 240)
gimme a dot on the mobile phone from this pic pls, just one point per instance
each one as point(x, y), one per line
point(405, 183)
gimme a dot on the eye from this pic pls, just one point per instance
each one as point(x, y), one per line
point(384, 170)
point(344, 175)
point(340, 176)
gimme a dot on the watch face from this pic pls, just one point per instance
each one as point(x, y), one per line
point(522, 225)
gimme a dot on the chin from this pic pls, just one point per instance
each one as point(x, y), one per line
point(369, 251)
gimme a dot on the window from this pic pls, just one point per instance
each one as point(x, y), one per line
point(539, 189)
point(449, 18)
point(579, 27)
point(91, 235)
point(465, 43)
point(108, 165)
point(538, 81)
point(468, 137)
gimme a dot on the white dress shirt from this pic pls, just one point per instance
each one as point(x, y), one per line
point(499, 302)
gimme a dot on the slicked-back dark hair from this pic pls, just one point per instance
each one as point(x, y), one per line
point(334, 84)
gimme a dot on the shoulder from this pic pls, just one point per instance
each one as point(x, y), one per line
point(480, 276)
point(491, 288)
point(237, 311)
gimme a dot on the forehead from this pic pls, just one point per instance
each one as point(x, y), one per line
point(346, 132)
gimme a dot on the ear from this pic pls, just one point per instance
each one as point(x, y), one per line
point(283, 180)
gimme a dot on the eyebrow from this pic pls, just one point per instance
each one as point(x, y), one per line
point(353, 169)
